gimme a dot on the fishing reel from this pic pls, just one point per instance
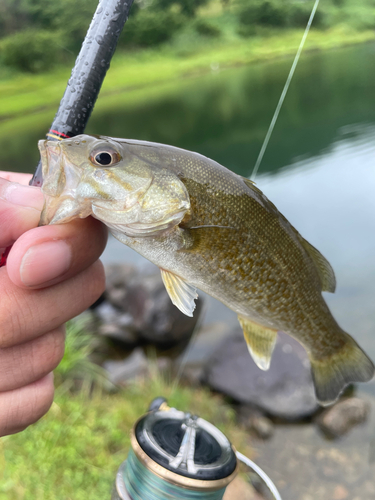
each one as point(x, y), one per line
point(179, 456)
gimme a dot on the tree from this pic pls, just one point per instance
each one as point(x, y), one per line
point(188, 7)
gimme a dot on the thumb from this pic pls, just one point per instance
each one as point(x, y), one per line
point(20, 208)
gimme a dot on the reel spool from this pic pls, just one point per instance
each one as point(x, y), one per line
point(178, 456)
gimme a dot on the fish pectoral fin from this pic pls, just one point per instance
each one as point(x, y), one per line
point(260, 341)
point(182, 294)
point(325, 271)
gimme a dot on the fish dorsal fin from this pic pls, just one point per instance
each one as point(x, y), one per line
point(260, 342)
point(325, 271)
point(249, 182)
point(181, 293)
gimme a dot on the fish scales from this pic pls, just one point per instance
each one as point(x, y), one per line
point(209, 228)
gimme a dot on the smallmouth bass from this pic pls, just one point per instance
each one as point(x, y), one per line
point(209, 228)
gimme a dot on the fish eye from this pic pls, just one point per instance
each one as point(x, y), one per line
point(105, 158)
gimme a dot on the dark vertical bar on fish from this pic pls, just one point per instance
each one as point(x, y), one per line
point(88, 73)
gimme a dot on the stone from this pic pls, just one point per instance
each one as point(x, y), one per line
point(305, 465)
point(116, 324)
point(154, 316)
point(343, 416)
point(340, 493)
point(122, 371)
point(136, 308)
point(239, 489)
point(116, 332)
point(255, 422)
point(285, 390)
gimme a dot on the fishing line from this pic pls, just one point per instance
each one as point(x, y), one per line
point(142, 484)
point(188, 349)
point(284, 92)
point(260, 473)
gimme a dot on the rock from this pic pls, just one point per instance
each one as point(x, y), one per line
point(192, 375)
point(134, 366)
point(137, 308)
point(192, 362)
point(164, 364)
point(340, 493)
point(305, 465)
point(116, 324)
point(154, 316)
point(116, 332)
point(343, 416)
point(285, 390)
point(239, 489)
point(255, 422)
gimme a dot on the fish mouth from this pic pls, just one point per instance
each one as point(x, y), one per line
point(60, 181)
point(60, 210)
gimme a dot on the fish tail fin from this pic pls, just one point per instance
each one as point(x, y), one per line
point(333, 373)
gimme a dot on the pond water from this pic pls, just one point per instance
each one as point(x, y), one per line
point(319, 168)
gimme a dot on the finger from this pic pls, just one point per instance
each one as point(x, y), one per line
point(26, 363)
point(24, 406)
point(16, 177)
point(20, 208)
point(27, 314)
point(47, 255)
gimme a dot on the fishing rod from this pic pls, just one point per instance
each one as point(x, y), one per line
point(180, 456)
point(86, 79)
point(88, 73)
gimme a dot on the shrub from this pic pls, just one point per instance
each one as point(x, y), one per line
point(187, 7)
point(31, 50)
point(206, 28)
point(279, 13)
point(263, 12)
point(149, 28)
point(299, 13)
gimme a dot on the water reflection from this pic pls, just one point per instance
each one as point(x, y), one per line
point(225, 116)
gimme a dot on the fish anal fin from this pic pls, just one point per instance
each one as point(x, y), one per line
point(260, 342)
point(182, 294)
point(326, 274)
point(332, 374)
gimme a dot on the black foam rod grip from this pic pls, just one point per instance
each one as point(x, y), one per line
point(88, 73)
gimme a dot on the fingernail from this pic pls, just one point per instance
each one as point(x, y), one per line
point(25, 196)
point(45, 262)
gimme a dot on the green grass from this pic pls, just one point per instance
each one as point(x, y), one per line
point(75, 450)
point(140, 73)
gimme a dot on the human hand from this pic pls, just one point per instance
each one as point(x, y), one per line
point(52, 274)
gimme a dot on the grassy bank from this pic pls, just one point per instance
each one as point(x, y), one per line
point(139, 73)
point(76, 449)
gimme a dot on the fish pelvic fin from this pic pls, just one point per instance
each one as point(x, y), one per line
point(325, 271)
point(182, 294)
point(332, 374)
point(260, 342)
